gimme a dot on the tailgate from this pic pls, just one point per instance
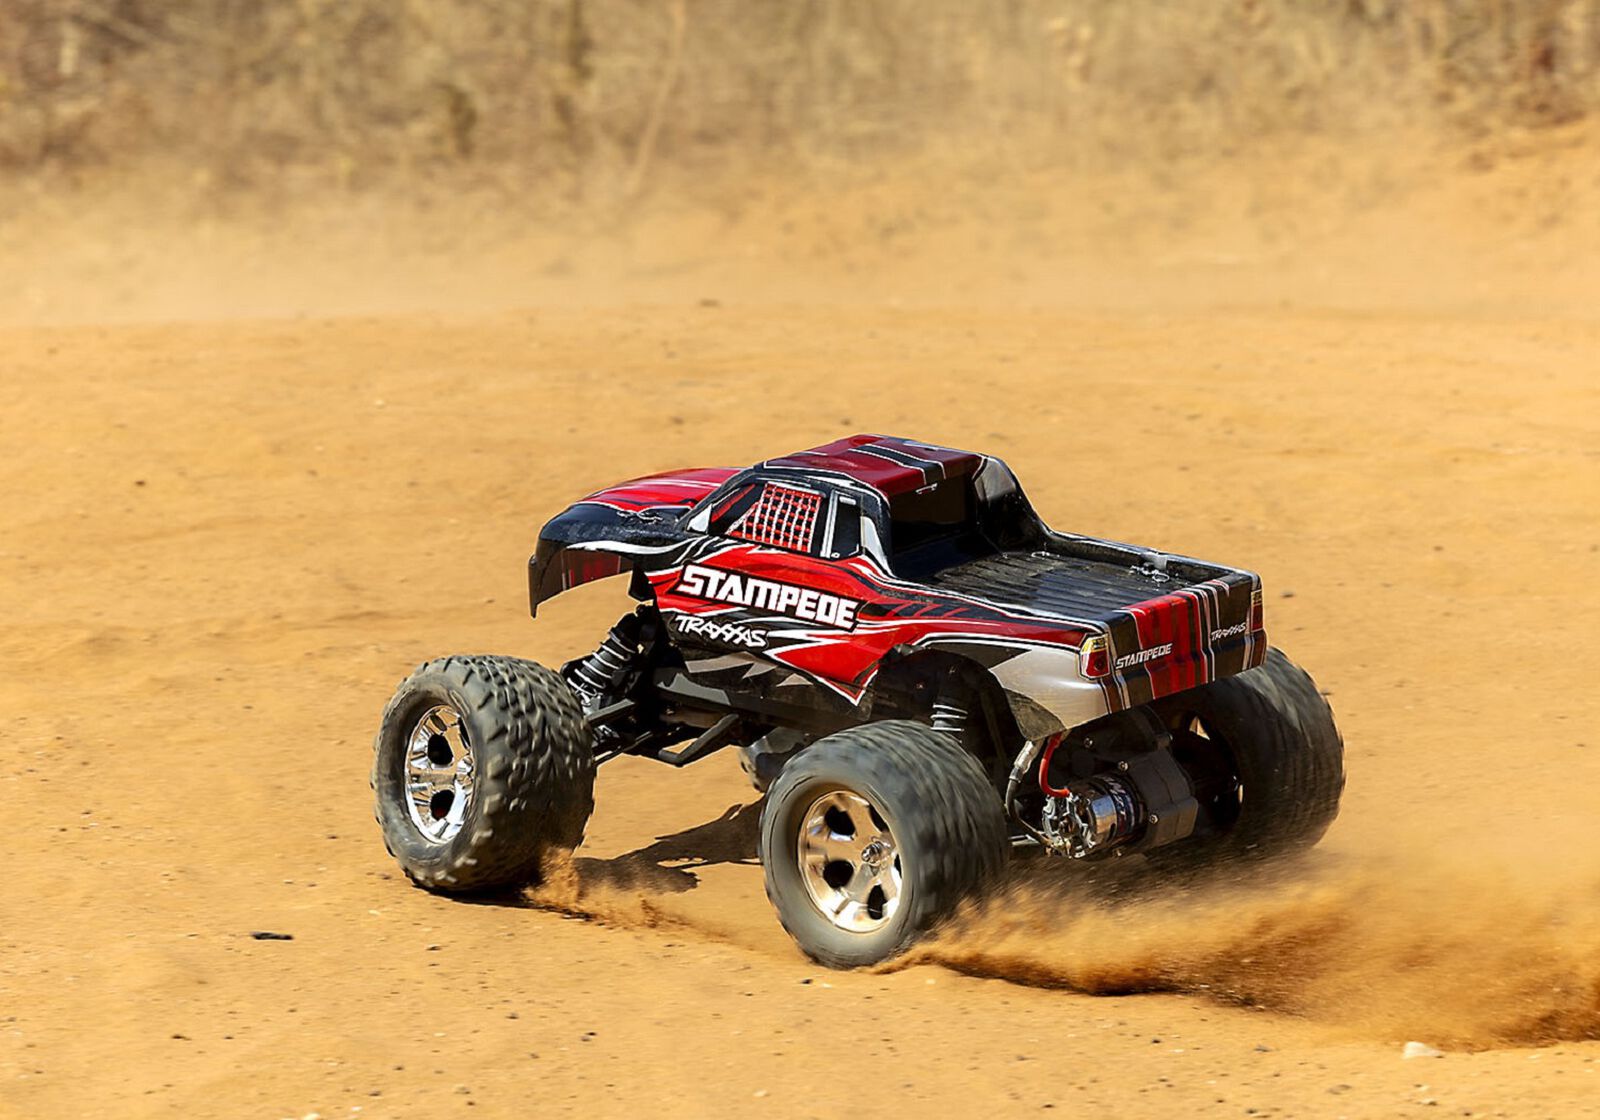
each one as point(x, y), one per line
point(1187, 637)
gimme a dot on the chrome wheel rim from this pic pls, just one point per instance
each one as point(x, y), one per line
point(438, 774)
point(849, 861)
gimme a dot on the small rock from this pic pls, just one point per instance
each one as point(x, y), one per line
point(269, 935)
point(434, 948)
point(805, 980)
point(463, 1089)
point(1420, 1050)
point(1263, 1049)
point(1286, 594)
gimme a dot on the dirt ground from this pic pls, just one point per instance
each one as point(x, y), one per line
point(230, 532)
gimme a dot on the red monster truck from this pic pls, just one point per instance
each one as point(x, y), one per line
point(920, 675)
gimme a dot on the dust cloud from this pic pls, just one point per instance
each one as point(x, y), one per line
point(1397, 949)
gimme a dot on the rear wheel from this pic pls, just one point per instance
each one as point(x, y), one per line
point(1265, 759)
point(482, 767)
point(872, 835)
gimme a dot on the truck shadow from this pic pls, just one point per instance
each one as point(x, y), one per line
point(669, 864)
point(666, 866)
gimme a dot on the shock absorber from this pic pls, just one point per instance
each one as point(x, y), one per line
point(604, 673)
point(952, 698)
point(949, 715)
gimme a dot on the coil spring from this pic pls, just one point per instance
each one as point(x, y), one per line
point(948, 715)
point(607, 668)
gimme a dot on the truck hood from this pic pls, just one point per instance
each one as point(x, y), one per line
point(680, 489)
point(599, 536)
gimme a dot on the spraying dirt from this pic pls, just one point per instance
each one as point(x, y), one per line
point(1383, 949)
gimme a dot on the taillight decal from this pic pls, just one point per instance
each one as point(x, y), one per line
point(1094, 658)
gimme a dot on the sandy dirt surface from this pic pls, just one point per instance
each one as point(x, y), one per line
point(226, 541)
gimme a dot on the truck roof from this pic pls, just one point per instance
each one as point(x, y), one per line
point(888, 464)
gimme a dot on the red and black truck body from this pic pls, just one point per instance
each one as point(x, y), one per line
point(799, 580)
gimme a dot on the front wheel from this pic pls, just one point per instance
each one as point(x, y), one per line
point(482, 766)
point(871, 835)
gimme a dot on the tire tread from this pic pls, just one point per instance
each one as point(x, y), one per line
point(535, 774)
point(959, 828)
point(1289, 754)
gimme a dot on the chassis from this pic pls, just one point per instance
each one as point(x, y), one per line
point(921, 676)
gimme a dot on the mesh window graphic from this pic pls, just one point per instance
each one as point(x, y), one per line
point(783, 517)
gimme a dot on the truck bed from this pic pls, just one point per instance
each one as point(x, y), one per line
point(1075, 578)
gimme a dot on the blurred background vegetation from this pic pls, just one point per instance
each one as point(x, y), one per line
point(565, 94)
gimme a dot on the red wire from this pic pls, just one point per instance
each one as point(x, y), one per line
point(1044, 768)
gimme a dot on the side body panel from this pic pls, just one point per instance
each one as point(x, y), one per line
point(832, 621)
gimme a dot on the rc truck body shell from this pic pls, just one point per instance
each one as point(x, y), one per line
point(800, 579)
